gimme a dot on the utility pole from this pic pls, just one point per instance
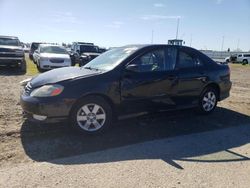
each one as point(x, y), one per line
point(191, 39)
point(152, 37)
point(177, 30)
point(222, 44)
point(238, 44)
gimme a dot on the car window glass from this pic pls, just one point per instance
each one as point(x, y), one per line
point(186, 60)
point(171, 54)
point(151, 61)
point(239, 55)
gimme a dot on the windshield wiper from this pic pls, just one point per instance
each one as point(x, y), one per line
point(92, 68)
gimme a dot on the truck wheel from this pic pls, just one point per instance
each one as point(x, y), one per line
point(244, 62)
point(22, 67)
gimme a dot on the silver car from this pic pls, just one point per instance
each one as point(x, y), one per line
point(49, 56)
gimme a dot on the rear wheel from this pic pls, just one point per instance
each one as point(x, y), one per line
point(208, 100)
point(91, 115)
point(244, 62)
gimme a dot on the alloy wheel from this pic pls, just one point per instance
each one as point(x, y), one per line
point(91, 117)
point(209, 101)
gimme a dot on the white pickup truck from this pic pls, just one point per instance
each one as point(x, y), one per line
point(243, 58)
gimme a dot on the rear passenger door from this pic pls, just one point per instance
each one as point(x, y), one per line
point(192, 76)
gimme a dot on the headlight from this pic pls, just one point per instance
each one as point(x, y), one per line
point(47, 91)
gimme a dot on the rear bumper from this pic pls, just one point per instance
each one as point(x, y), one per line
point(225, 88)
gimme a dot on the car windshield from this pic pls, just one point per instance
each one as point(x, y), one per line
point(9, 42)
point(85, 48)
point(110, 59)
point(53, 49)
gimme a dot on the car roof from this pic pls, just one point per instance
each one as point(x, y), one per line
point(8, 37)
point(46, 45)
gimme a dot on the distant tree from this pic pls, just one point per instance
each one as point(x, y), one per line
point(64, 44)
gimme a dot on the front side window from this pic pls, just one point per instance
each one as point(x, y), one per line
point(151, 61)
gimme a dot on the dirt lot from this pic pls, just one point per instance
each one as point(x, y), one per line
point(24, 142)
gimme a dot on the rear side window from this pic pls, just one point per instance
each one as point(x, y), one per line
point(189, 60)
point(246, 55)
point(186, 60)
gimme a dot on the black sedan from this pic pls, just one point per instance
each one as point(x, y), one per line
point(127, 80)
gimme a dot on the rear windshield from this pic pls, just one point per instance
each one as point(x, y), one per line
point(34, 46)
point(85, 48)
point(9, 42)
point(53, 49)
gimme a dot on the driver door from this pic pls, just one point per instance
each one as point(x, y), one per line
point(152, 82)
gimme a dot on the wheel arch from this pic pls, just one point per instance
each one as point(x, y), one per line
point(105, 97)
point(214, 86)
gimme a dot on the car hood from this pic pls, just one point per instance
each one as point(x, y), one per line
point(5, 48)
point(61, 74)
point(53, 55)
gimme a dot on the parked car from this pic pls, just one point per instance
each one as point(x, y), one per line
point(82, 53)
point(244, 58)
point(49, 56)
point(11, 52)
point(127, 80)
point(232, 58)
point(26, 48)
point(33, 47)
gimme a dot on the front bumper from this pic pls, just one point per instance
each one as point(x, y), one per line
point(11, 60)
point(55, 110)
point(49, 65)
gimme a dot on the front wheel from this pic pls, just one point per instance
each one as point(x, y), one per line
point(91, 115)
point(208, 101)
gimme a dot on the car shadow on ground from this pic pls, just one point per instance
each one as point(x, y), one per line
point(143, 138)
point(11, 71)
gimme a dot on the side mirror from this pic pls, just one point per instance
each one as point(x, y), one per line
point(132, 68)
point(36, 51)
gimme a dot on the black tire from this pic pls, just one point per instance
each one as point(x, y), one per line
point(244, 62)
point(212, 103)
point(22, 67)
point(39, 68)
point(88, 102)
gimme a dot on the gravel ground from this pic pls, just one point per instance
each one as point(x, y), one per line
point(23, 142)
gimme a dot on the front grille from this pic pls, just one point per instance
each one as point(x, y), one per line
point(6, 50)
point(53, 60)
point(10, 55)
point(28, 88)
point(93, 56)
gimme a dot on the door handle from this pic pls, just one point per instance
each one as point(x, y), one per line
point(172, 77)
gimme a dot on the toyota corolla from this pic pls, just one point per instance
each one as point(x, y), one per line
point(127, 80)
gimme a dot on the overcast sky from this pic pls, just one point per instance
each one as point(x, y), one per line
point(203, 23)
